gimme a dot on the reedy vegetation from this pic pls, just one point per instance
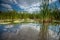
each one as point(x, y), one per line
point(54, 15)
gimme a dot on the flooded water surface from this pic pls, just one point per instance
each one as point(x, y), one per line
point(29, 31)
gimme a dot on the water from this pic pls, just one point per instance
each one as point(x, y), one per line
point(26, 31)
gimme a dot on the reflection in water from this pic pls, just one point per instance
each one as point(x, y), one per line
point(44, 31)
point(28, 31)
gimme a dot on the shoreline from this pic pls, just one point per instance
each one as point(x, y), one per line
point(22, 20)
point(15, 21)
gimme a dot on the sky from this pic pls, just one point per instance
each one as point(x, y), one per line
point(24, 5)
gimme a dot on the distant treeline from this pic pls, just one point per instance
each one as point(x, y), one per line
point(20, 15)
point(55, 14)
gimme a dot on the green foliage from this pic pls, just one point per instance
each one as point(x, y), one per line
point(43, 14)
point(56, 14)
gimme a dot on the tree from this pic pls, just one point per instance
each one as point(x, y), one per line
point(45, 12)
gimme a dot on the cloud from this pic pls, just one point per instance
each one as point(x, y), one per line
point(29, 2)
point(32, 5)
point(30, 8)
point(7, 6)
point(24, 5)
point(25, 1)
point(33, 9)
point(51, 1)
point(9, 1)
point(15, 1)
point(27, 5)
point(59, 8)
point(6, 1)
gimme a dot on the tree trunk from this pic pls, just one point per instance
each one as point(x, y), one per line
point(44, 32)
